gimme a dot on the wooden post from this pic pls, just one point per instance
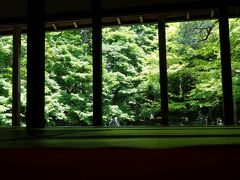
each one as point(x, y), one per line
point(97, 63)
point(16, 83)
point(163, 72)
point(35, 64)
point(228, 116)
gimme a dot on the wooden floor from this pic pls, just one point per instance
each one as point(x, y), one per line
point(126, 153)
point(170, 137)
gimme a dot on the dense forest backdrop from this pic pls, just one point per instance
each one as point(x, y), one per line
point(131, 89)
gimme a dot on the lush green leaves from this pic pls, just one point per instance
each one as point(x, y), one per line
point(131, 88)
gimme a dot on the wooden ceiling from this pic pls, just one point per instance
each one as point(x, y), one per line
point(71, 14)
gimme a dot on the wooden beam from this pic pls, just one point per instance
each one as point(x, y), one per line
point(228, 116)
point(35, 64)
point(16, 76)
point(237, 12)
point(97, 64)
point(163, 71)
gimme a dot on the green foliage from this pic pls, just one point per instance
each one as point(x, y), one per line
point(235, 46)
point(194, 70)
point(5, 81)
point(68, 79)
point(131, 88)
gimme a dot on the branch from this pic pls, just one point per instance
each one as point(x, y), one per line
point(208, 30)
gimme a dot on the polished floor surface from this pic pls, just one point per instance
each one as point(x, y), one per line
point(176, 153)
point(135, 137)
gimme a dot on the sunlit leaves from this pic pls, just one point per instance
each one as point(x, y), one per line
point(131, 88)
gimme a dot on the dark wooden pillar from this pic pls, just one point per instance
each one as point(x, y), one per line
point(97, 63)
point(35, 64)
point(16, 86)
point(163, 72)
point(228, 116)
